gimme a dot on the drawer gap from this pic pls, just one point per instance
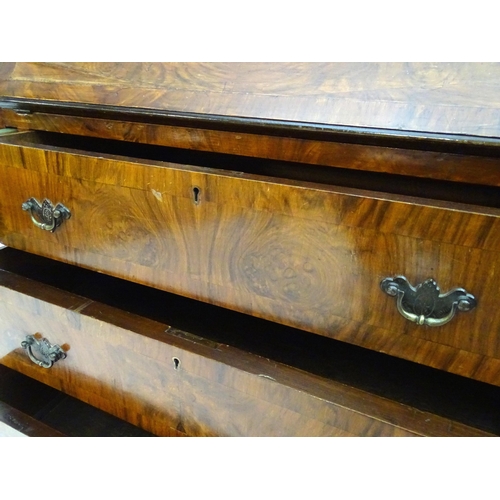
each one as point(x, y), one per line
point(268, 170)
point(59, 411)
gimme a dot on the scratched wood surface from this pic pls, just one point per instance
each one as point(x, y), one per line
point(304, 255)
point(451, 98)
point(124, 364)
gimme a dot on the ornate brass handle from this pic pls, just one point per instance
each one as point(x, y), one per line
point(44, 215)
point(423, 304)
point(48, 353)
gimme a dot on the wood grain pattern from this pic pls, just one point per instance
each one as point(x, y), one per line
point(307, 256)
point(246, 238)
point(454, 98)
point(122, 363)
point(411, 162)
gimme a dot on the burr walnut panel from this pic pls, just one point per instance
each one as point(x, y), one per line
point(311, 256)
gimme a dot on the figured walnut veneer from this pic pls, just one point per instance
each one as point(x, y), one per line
point(305, 255)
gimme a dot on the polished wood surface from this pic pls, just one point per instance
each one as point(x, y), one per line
point(449, 98)
point(428, 164)
point(126, 365)
point(281, 192)
point(306, 255)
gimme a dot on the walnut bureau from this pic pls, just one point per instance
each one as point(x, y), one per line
point(248, 249)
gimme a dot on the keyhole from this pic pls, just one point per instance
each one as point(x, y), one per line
point(177, 363)
point(196, 195)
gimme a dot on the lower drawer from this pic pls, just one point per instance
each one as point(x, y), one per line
point(175, 367)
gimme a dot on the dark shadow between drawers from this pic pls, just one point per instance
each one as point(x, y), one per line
point(479, 194)
point(68, 415)
point(451, 396)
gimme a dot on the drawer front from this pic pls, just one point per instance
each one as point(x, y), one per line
point(171, 384)
point(308, 256)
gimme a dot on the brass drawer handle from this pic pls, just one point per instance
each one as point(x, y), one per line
point(48, 353)
point(423, 304)
point(45, 215)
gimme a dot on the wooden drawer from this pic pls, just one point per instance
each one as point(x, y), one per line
point(307, 255)
point(173, 382)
